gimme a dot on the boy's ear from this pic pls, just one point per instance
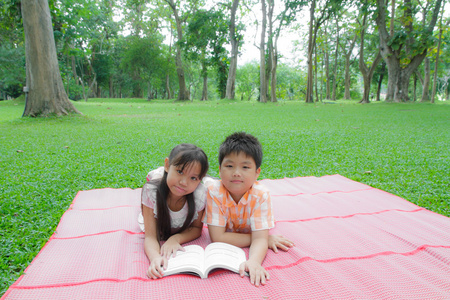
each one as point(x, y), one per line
point(257, 172)
point(166, 164)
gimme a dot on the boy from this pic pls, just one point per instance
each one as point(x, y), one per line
point(238, 208)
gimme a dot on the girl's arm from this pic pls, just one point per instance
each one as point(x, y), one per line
point(173, 244)
point(151, 245)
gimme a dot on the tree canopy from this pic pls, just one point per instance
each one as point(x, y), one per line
point(183, 49)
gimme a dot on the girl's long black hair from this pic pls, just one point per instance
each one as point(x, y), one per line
point(182, 155)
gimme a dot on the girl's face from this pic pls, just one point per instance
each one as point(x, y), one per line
point(182, 182)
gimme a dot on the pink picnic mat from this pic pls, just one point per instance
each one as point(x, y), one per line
point(352, 241)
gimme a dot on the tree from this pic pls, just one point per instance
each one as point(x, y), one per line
point(144, 56)
point(235, 39)
point(329, 8)
point(183, 93)
point(405, 47)
point(284, 18)
point(263, 86)
point(441, 29)
point(46, 91)
point(12, 52)
point(366, 71)
point(347, 54)
point(205, 35)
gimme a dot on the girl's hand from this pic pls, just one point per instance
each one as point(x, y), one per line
point(157, 267)
point(170, 247)
point(279, 241)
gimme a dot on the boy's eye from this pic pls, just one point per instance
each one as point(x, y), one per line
point(228, 166)
point(180, 172)
point(246, 167)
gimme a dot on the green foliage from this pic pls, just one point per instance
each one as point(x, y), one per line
point(45, 162)
point(12, 70)
point(144, 59)
point(204, 41)
point(247, 81)
point(290, 82)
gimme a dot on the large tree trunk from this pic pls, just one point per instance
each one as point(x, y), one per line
point(263, 87)
point(231, 80)
point(46, 94)
point(183, 93)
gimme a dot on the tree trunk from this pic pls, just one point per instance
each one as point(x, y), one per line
point(183, 93)
point(380, 80)
point(311, 46)
point(111, 87)
point(327, 68)
point(336, 52)
point(46, 94)
point(168, 91)
point(433, 94)
point(262, 56)
point(316, 69)
point(366, 72)
point(273, 79)
point(271, 68)
point(74, 69)
point(347, 79)
point(205, 82)
point(231, 80)
point(426, 81)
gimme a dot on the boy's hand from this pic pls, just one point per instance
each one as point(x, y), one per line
point(258, 275)
point(157, 267)
point(279, 241)
point(170, 247)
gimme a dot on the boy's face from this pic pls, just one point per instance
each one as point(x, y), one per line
point(238, 173)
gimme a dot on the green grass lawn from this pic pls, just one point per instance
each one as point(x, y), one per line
point(403, 149)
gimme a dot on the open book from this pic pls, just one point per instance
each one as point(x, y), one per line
point(201, 261)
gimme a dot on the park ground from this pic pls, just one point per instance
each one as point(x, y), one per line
point(403, 149)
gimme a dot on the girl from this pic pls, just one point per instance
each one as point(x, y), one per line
point(173, 201)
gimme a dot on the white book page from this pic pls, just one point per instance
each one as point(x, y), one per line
point(190, 260)
point(222, 255)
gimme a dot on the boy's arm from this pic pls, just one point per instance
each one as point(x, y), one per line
point(219, 234)
point(258, 250)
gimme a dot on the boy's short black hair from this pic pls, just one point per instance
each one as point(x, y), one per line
point(241, 142)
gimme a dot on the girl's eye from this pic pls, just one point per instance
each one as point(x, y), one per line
point(194, 178)
point(180, 172)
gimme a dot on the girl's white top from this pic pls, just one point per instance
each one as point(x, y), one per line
point(148, 199)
